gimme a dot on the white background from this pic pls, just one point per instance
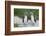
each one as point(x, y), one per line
point(2, 18)
point(27, 28)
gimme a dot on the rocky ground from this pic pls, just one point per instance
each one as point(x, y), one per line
point(27, 24)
